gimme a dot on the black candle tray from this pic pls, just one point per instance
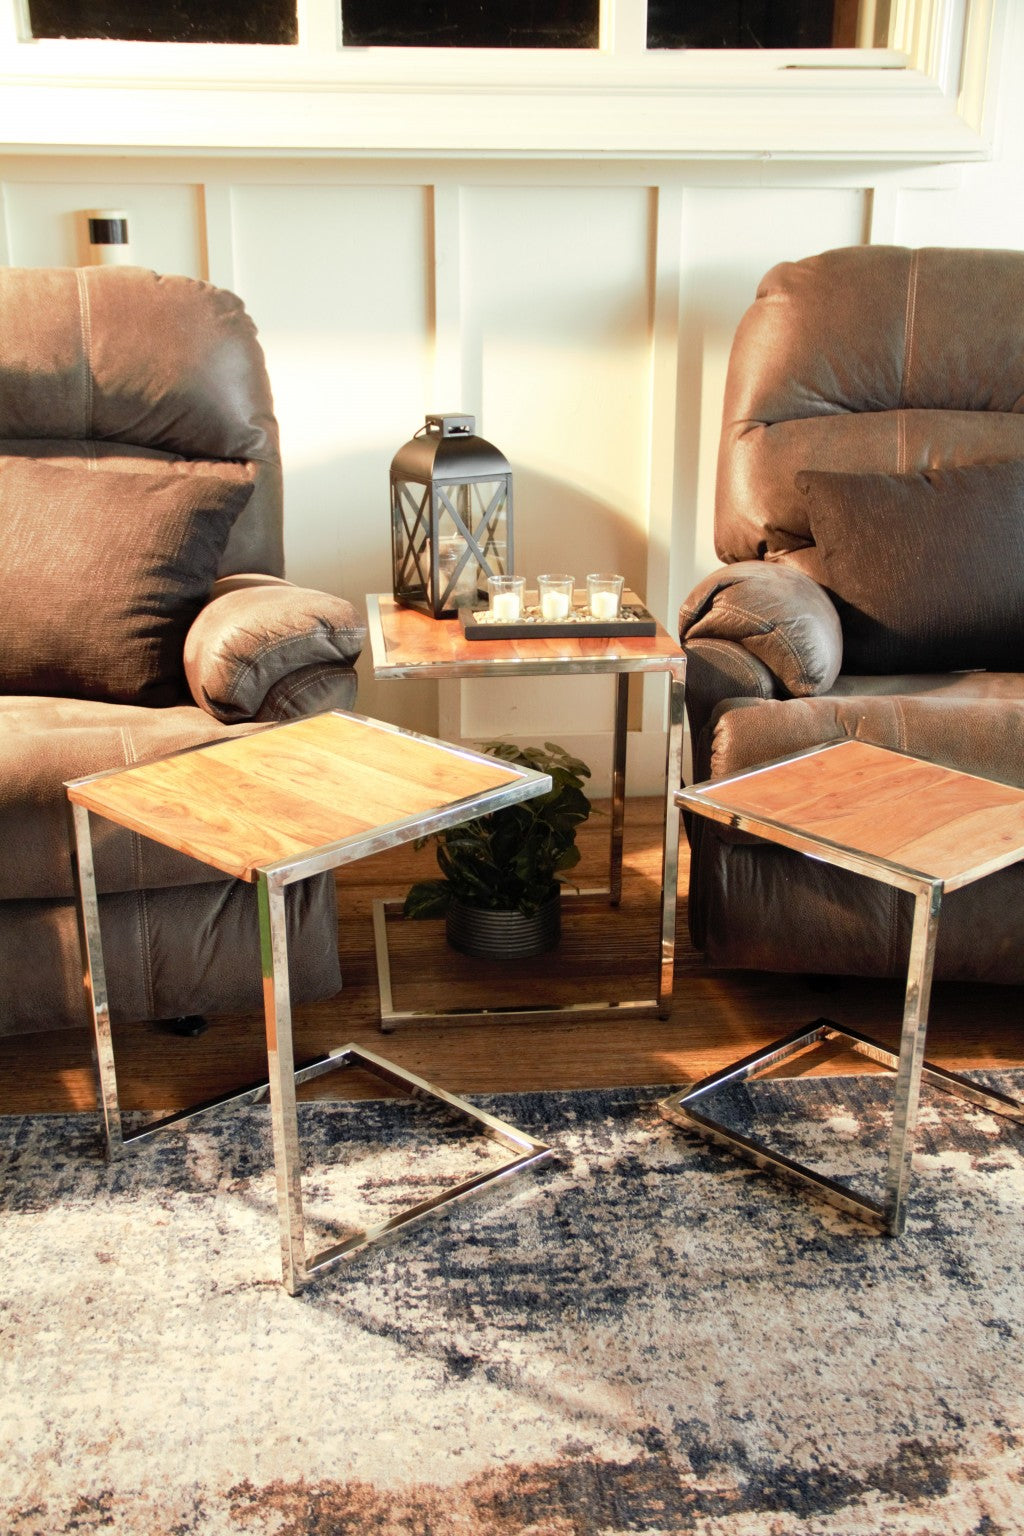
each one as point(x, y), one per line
point(634, 622)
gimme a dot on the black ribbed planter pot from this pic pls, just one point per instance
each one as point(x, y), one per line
point(504, 935)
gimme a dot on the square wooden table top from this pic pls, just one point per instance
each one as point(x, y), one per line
point(930, 821)
point(292, 790)
point(407, 643)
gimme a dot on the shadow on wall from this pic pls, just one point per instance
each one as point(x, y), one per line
point(561, 527)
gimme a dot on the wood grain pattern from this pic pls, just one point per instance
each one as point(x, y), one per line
point(279, 794)
point(414, 641)
point(949, 826)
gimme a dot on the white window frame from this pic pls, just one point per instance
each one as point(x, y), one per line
point(927, 99)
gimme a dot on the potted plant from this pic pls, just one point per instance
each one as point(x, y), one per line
point(500, 894)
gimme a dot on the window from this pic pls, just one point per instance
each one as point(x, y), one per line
point(183, 21)
point(766, 24)
point(470, 24)
point(473, 23)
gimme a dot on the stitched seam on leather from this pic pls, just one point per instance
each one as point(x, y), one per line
point(901, 723)
point(726, 647)
point(909, 337)
point(764, 628)
point(279, 643)
point(85, 325)
point(290, 690)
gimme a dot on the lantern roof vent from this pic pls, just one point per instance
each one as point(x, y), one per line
point(453, 425)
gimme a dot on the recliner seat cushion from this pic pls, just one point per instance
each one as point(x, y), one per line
point(166, 953)
point(44, 743)
point(772, 909)
point(924, 568)
point(98, 588)
point(983, 736)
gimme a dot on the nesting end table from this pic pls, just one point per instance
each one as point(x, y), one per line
point(409, 644)
point(911, 824)
point(273, 808)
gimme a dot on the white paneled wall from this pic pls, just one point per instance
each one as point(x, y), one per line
point(556, 305)
point(337, 278)
point(583, 313)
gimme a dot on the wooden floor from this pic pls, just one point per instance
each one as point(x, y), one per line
point(716, 1017)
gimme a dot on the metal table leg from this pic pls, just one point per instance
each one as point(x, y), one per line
point(277, 1010)
point(88, 909)
point(670, 839)
point(619, 740)
point(921, 963)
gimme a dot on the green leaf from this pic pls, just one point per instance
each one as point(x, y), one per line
point(509, 859)
point(429, 898)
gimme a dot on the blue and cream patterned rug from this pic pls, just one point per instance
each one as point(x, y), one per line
point(648, 1338)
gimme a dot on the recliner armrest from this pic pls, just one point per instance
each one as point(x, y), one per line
point(778, 614)
point(255, 632)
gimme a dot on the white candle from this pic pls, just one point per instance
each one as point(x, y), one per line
point(554, 605)
point(604, 605)
point(505, 605)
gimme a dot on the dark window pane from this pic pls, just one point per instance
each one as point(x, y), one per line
point(470, 23)
point(167, 21)
point(741, 24)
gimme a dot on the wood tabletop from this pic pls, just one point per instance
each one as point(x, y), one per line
point(940, 823)
point(243, 804)
point(407, 643)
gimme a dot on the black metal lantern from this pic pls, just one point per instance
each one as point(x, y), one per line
point(451, 517)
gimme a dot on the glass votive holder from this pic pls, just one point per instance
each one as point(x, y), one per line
point(506, 597)
point(554, 596)
point(448, 552)
point(604, 596)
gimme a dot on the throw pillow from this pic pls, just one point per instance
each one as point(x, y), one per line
point(926, 569)
point(102, 574)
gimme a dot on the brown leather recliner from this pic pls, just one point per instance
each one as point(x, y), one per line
point(870, 511)
point(142, 609)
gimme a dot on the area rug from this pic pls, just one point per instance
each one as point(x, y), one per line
point(647, 1338)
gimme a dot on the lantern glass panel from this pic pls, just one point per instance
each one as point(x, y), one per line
point(477, 514)
point(457, 566)
point(410, 530)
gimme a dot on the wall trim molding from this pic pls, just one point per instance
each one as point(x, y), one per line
point(932, 102)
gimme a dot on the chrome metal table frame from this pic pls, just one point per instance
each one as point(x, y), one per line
point(888, 1215)
point(622, 668)
point(297, 1265)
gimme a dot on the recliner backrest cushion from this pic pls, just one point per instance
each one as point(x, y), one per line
point(120, 363)
point(867, 359)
